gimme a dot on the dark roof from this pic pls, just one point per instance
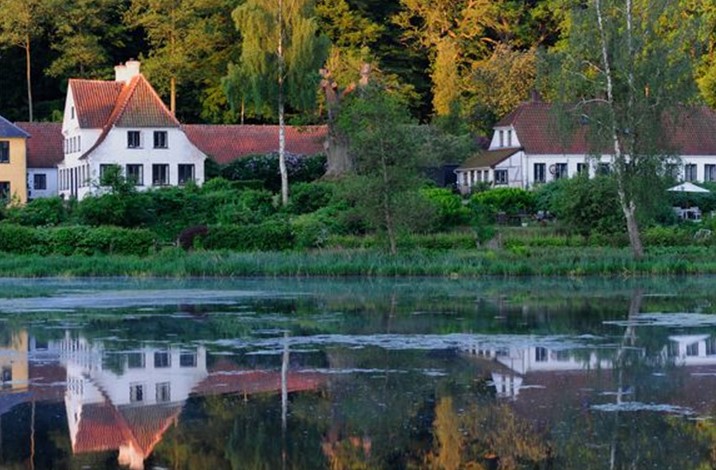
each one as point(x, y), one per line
point(44, 147)
point(136, 105)
point(9, 130)
point(226, 143)
point(488, 158)
point(689, 131)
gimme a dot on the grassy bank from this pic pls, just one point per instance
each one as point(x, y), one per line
point(542, 261)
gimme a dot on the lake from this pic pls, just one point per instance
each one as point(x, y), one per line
point(377, 373)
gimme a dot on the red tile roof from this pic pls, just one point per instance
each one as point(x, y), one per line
point(692, 131)
point(137, 105)
point(225, 377)
point(226, 143)
point(488, 158)
point(94, 101)
point(44, 147)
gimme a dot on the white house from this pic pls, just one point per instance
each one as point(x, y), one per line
point(44, 153)
point(124, 123)
point(528, 149)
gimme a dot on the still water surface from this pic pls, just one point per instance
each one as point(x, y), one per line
point(298, 374)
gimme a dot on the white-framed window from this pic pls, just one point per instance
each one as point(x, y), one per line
point(135, 360)
point(540, 170)
point(162, 359)
point(134, 140)
point(560, 171)
point(502, 138)
point(39, 182)
point(135, 174)
point(4, 151)
point(136, 393)
point(604, 169)
point(160, 174)
point(500, 176)
point(709, 172)
point(690, 172)
point(509, 138)
point(186, 173)
point(187, 359)
point(160, 140)
point(164, 392)
point(582, 168)
point(541, 354)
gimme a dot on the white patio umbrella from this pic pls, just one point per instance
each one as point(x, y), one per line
point(687, 187)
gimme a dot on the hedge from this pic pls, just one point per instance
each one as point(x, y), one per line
point(267, 236)
point(75, 240)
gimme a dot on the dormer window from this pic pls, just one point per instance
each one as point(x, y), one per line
point(133, 140)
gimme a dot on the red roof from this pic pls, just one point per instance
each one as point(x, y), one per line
point(136, 105)
point(94, 101)
point(44, 147)
point(226, 143)
point(689, 132)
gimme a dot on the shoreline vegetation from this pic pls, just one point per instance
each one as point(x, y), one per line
point(457, 263)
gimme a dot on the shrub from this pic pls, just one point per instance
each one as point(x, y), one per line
point(511, 201)
point(267, 236)
point(309, 197)
point(249, 206)
point(265, 168)
point(449, 207)
point(42, 211)
point(667, 236)
point(17, 239)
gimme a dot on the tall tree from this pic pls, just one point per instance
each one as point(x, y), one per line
point(20, 23)
point(387, 160)
point(622, 73)
point(182, 35)
point(81, 31)
point(282, 52)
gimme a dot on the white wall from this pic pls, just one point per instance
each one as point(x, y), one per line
point(50, 178)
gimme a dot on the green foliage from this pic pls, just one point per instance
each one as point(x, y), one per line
point(264, 169)
point(247, 207)
point(75, 240)
point(309, 197)
point(512, 201)
point(267, 236)
point(450, 209)
point(668, 236)
point(42, 211)
point(119, 209)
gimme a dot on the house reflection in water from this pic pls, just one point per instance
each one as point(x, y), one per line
point(125, 400)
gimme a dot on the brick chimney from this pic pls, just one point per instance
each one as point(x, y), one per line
point(125, 72)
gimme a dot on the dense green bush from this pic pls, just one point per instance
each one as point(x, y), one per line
point(122, 210)
point(265, 168)
point(249, 206)
point(271, 235)
point(309, 197)
point(75, 240)
point(450, 210)
point(667, 236)
point(511, 201)
point(39, 212)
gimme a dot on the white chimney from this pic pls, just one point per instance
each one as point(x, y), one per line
point(124, 73)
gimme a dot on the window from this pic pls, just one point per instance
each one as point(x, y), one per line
point(582, 168)
point(540, 354)
point(39, 182)
point(540, 176)
point(164, 392)
point(160, 175)
point(135, 174)
point(187, 359)
point(133, 140)
point(692, 350)
point(711, 346)
point(603, 169)
point(135, 360)
point(4, 151)
point(509, 138)
point(72, 112)
point(4, 190)
point(6, 376)
point(690, 172)
point(560, 171)
point(709, 172)
point(160, 139)
point(104, 171)
point(502, 138)
point(162, 359)
point(136, 393)
point(186, 174)
point(500, 176)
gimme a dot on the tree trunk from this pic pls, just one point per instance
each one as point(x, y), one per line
point(338, 159)
point(173, 95)
point(281, 123)
point(387, 210)
point(629, 209)
point(28, 76)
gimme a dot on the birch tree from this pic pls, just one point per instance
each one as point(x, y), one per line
point(281, 54)
point(622, 75)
